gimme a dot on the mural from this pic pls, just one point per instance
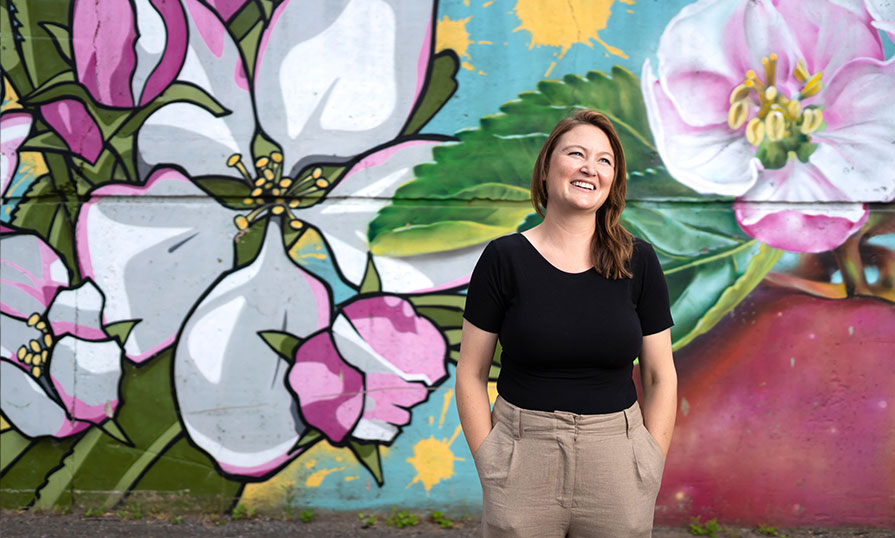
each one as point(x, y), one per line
point(236, 237)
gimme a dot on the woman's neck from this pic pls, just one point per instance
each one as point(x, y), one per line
point(565, 241)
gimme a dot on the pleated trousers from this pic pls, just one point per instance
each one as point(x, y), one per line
point(563, 474)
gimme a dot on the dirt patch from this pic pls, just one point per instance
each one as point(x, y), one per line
point(126, 523)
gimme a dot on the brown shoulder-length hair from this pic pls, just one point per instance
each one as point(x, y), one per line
point(612, 245)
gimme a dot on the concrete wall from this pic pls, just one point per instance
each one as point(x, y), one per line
point(236, 236)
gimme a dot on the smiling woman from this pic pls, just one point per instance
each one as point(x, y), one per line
point(573, 301)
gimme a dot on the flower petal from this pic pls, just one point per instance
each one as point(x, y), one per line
point(829, 35)
point(161, 47)
point(883, 13)
point(190, 136)
point(14, 129)
point(384, 334)
point(153, 269)
point(75, 125)
point(224, 372)
point(339, 78)
point(86, 376)
point(30, 274)
point(78, 312)
point(387, 399)
point(707, 158)
point(330, 392)
point(355, 200)
point(800, 228)
point(103, 35)
point(226, 8)
point(856, 149)
point(29, 409)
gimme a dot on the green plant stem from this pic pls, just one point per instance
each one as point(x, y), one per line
point(152, 453)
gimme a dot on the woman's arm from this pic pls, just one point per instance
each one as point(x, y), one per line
point(659, 381)
point(473, 365)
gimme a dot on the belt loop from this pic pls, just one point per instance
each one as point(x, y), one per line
point(627, 424)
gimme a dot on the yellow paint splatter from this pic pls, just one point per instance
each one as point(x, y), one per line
point(431, 420)
point(452, 34)
point(563, 24)
point(350, 478)
point(316, 479)
point(486, 4)
point(447, 403)
point(433, 460)
point(269, 495)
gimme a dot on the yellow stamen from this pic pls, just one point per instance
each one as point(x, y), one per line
point(268, 174)
point(43, 356)
point(35, 371)
point(35, 346)
point(248, 200)
point(770, 94)
point(261, 162)
point(28, 358)
point(40, 326)
point(770, 69)
point(275, 192)
point(235, 161)
point(285, 182)
point(776, 125)
point(317, 173)
point(811, 120)
point(277, 157)
point(32, 321)
point(21, 353)
point(322, 183)
point(812, 87)
point(241, 222)
point(294, 203)
point(739, 93)
point(794, 109)
point(257, 192)
point(755, 131)
point(738, 114)
point(801, 72)
point(277, 210)
point(259, 182)
point(48, 340)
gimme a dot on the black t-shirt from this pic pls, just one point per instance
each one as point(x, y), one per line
point(569, 339)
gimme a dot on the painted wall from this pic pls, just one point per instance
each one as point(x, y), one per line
point(236, 236)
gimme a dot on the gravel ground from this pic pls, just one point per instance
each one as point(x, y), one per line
point(26, 524)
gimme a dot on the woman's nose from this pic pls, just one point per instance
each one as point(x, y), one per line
point(587, 169)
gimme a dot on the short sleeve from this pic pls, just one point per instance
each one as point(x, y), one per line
point(485, 297)
point(653, 306)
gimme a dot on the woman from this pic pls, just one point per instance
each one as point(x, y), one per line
point(573, 301)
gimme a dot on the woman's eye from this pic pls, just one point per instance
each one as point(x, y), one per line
point(604, 160)
point(578, 153)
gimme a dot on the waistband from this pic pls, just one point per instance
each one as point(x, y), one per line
point(529, 423)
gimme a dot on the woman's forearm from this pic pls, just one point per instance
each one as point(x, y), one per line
point(659, 408)
point(473, 406)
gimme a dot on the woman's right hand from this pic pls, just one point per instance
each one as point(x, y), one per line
point(473, 405)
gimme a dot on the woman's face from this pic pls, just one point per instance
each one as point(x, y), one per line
point(581, 170)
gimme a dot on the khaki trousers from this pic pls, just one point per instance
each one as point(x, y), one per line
point(563, 474)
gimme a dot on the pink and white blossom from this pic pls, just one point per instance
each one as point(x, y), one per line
point(783, 104)
point(60, 371)
point(361, 376)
